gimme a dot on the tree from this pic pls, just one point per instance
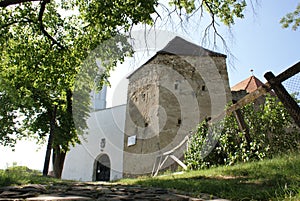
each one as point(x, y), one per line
point(42, 52)
point(292, 18)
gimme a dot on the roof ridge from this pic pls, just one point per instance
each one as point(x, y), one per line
point(180, 46)
point(250, 78)
point(247, 84)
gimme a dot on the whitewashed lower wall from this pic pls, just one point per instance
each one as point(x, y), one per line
point(80, 160)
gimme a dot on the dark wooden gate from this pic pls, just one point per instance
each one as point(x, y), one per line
point(103, 168)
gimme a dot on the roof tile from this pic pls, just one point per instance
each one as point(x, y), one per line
point(250, 84)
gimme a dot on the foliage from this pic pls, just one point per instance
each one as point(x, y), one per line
point(44, 48)
point(270, 179)
point(45, 45)
point(20, 175)
point(292, 19)
point(42, 53)
point(225, 10)
point(271, 132)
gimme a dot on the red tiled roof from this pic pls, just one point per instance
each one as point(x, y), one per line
point(250, 84)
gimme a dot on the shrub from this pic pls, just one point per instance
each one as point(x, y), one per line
point(271, 132)
point(20, 175)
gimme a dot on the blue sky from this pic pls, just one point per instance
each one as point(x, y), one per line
point(260, 43)
point(256, 42)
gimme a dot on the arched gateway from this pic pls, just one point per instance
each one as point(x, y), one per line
point(102, 168)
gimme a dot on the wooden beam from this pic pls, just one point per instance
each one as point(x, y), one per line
point(293, 70)
point(289, 103)
point(249, 98)
point(242, 125)
point(179, 162)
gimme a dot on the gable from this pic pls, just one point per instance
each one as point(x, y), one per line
point(179, 46)
point(250, 84)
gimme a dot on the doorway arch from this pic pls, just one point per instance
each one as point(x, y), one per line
point(102, 168)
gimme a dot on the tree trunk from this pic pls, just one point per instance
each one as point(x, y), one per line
point(58, 161)
point(59, 154)
point(50, 141)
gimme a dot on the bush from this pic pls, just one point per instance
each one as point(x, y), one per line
point(20, 175)
point(17, 175)
point(271, 132)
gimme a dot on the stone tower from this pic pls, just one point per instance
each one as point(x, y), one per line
point(167, 97)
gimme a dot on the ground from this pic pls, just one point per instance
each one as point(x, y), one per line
point(92, 191)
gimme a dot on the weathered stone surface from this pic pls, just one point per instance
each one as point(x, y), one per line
point(92, 191)
point(32, 188)
point(167, 98)
point(9, 194)
point(58, 198)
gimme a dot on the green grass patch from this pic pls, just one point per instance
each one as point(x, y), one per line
point(273, 179)
point(20, 175)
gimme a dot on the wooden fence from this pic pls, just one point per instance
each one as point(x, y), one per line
point(274, 83)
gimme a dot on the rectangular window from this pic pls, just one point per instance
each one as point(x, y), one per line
point(176, 86)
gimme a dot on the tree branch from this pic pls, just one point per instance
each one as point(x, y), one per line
point(215, 32)
point(42, 27)
point(213, 25)
point(6, 3)
point(15, 22)
point(200, 7)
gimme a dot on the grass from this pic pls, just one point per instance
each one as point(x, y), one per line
point(20, 175)
point(274, 179)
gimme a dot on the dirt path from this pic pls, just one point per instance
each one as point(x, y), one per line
point(92, 191)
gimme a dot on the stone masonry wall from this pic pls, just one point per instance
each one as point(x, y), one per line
point(167, 98)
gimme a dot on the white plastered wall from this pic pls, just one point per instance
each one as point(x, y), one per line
point(108, 124)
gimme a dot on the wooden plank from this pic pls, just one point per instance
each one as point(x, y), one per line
point(242, 125)
point(179, 162)
point(289, 103)
point(290, 72)
point(262, 90)
point(249, 98)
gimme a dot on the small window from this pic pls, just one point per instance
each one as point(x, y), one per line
point(146, 124)
point(144, 96)
point(179, 122)
point(176, 86)
point(203, 87)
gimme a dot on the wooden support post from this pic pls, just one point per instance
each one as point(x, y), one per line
point(179, 162)
point(289, 103)
point(242, 124)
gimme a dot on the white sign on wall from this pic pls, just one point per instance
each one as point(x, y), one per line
point(131, 140)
